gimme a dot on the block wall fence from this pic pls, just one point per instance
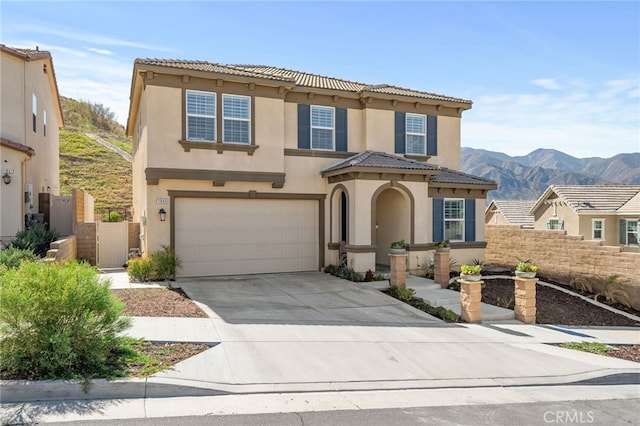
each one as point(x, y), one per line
point(560, 256)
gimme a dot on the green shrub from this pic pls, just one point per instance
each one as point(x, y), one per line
point(36, 238)
point(139, 269)
point(446, 314)
point(112, 217)
point(56, 321)
point(402, 293)
point(344, 273)
point(165, 263)
point(11, 257)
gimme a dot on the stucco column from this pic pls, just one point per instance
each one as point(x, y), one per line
point(525, 299)
point(398, 269)
point(441, 269)
point(471, 300)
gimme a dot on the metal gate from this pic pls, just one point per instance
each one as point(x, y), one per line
point(61, 217)
point(113, 244)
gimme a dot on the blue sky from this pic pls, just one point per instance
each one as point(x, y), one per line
point(563, 75)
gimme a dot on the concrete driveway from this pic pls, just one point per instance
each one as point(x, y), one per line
point(300, 298)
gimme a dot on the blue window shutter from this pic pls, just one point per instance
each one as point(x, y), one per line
point(432, 135)
point(623, 231)
point(470, 219)
point(341, 129)
point(400, 132)
point(304, 126)
point(438, 219)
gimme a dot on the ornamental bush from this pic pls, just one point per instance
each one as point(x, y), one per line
point(139, 269)
point(56, 321)
point(12, 257)
point(36, 238)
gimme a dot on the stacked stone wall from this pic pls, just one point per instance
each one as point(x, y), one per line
point(564, 257)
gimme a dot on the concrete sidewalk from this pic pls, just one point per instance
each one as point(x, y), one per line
point(262, 350)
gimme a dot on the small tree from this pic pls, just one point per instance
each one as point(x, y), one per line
point(165, 263)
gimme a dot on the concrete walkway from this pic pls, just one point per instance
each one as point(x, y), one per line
point(312, 332)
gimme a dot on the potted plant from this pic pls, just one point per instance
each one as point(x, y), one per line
point(398, 247)
point(470, 272)
point(443, 246)
point(526, 269)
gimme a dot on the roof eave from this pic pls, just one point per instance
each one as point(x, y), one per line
point(389, 170)
point(447, 185)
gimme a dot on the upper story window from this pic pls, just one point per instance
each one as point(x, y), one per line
point(236, 114)
point(201, 116)
point(597, 229)
point(322, 127)
point(34, 105)
point(454, 220)
point(416, 136)
point(44, 123)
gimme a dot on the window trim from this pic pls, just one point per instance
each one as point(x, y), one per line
point(44, 123)
point(637, 222)
point(593, 229)
point(333, 129)
point(407, 133)
point(558, 221)
point(34, 110)
point(224, 140)
point(214, 117)
point(461, 220)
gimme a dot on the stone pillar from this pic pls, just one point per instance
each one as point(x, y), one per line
point(471, 300)
point(398, 269)
point(525, 299)
point(441, 269)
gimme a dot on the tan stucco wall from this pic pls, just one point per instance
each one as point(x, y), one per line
point(611, 228)
point(20, 80)
point(393, 222)
point(11, 196)
point(562, 257)
point(495, 218)
point(379, 129)
point(448, 143)
point(563, 212)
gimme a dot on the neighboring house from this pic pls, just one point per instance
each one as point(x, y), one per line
point(609, 213)
point(29, 123)
point(252, 169)
point(510, 212)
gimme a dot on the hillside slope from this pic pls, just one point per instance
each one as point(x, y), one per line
point(526, 177)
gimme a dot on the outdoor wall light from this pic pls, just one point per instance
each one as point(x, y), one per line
point(163, 215)
point(6, 178)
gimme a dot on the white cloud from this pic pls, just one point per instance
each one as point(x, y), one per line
point(100, 51)
point(581, 119)
point(547, 83)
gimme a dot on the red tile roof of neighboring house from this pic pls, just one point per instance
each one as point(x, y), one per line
point(18, 147)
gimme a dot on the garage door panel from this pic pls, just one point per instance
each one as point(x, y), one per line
point(231, 236)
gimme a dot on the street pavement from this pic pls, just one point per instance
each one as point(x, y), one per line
point(312, 342)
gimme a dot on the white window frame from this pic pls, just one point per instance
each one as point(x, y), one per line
point(34, 109)
point(214, 116)
point(637, 222)
point(445, 220)
point(248, 120)
point(408, 133)
point(333, 129)
point(556, 220)
point(601, 229)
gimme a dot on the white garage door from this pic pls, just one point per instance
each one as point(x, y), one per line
point(241, 236)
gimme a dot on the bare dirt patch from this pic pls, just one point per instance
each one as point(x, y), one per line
point(158, 302)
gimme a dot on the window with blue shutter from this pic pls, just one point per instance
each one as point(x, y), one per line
point(400, 132)
point(304, 126)
point(341, 129)
point(623, 231)
point(438, 219)
point(432, 135)
point(469, 219)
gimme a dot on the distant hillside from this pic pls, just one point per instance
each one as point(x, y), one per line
point(526, 177)
point(86, 164)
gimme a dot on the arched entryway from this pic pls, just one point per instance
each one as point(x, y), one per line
point(339, 214)
point(391, 208)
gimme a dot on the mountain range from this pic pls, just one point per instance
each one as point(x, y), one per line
point(528, 176)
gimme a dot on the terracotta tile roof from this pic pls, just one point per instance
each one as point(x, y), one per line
point(516, 212)
point(379, 160)
point(455, 177)
point(18, 147)
point(591, 198)
point(299, 78)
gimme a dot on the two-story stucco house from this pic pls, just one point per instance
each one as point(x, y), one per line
point(253, 169)
point(30, 118)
